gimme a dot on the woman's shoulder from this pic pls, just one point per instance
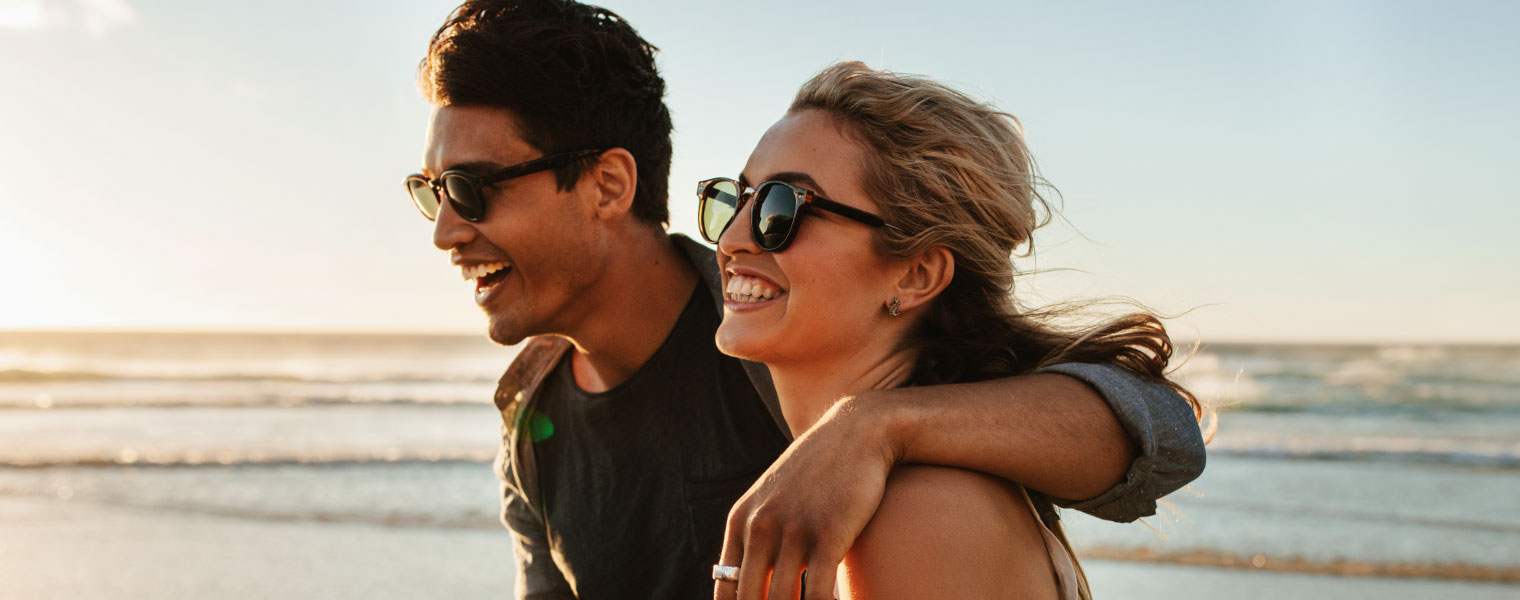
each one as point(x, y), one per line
point(942, 532)
point(925, 501)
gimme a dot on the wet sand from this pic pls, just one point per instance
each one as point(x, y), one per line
point(53, 548)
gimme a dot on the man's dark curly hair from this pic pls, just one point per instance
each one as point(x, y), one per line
point(576, 77)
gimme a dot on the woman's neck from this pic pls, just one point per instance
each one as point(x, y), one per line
point(808, 388)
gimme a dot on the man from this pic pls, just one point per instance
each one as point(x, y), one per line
point(627, 438)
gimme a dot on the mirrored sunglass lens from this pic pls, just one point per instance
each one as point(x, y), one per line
point(423, 196)
point(719, 203)
point(462, 192)
point(775, 210)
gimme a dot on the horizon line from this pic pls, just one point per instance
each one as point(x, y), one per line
point(1180, 344)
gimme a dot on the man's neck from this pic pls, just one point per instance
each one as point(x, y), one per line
point(639, 298)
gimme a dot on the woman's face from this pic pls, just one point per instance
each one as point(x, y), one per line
point(824, 295)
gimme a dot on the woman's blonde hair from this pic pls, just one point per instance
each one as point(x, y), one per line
point(947, 170)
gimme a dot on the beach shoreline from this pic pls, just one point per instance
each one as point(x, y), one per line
point(56, 549)
point(232, 466)
point(1306, 566)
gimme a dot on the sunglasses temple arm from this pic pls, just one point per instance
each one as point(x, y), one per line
point(849, 212)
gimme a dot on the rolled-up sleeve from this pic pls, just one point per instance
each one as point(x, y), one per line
point(1162, 424)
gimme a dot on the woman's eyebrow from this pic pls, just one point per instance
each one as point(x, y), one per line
point(798, 179)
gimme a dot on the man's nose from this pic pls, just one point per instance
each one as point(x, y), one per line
point(449, 230)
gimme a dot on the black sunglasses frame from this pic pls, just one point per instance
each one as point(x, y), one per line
point(476, 212)
point(804, 198)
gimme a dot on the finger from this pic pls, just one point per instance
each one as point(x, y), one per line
point(761, 541)
point(788, 569)
point(820, 579)
point(725, 590)
point(733, 554)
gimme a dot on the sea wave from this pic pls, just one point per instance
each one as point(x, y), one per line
point(484, 520)
point(404, 493)
point(75, 357)
point(1356, 379)
point(1487, 453)
point(1476, 453)
point(51, 402)
point(200, 376)
point(178, 458)
point(1329, 405)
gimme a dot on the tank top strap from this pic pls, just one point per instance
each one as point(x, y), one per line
point(1060, 557)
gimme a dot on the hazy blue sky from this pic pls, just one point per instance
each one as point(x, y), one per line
point(1316, 171)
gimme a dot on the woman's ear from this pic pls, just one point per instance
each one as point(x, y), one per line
point(614, 178)
point(925, 277)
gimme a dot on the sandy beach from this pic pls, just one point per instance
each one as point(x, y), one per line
point(426, 529)
point(55, 549)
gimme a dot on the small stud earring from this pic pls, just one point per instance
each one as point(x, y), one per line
point(895, 308)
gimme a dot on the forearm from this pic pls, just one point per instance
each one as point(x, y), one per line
point(1051, 433)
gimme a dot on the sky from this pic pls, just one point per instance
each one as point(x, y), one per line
point(1287, 171)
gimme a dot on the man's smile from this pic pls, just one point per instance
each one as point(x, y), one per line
point(486, 275)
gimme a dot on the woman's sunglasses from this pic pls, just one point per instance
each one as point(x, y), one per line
point(465, 190)
point(774, 218)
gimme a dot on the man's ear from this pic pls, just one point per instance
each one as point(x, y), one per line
point(925, 276)
point(614, 177)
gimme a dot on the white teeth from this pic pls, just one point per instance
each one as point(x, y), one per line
point(481, 270)
point(749, 289)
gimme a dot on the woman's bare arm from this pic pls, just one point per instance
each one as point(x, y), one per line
point(1052, 432)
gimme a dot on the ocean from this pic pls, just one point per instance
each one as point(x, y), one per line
point(180, 465)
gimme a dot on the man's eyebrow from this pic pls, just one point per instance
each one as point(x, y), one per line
point(476, 167)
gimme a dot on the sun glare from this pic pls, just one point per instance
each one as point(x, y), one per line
point(27, 14)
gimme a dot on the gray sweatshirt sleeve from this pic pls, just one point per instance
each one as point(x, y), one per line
point(1162, 424)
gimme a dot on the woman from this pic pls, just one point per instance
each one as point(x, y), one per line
point(914, 199)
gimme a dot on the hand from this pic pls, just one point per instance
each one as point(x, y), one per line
point(807, 509)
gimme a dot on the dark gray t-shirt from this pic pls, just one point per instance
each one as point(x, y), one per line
point(637, 481)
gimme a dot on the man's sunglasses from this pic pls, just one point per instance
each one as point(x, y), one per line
point(465, 190)
point(774, 218)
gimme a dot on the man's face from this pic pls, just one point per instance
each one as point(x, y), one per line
point(529, 260)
